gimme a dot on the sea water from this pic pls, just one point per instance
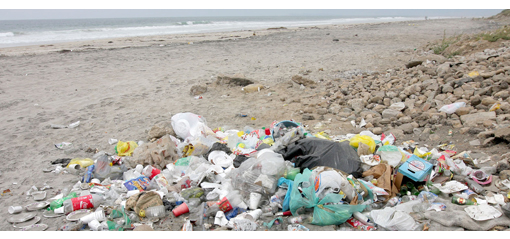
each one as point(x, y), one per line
point(35, 32)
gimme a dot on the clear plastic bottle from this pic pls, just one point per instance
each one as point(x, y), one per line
point(153, 212)
point(83, 202)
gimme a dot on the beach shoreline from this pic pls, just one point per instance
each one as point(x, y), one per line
point(169, 39)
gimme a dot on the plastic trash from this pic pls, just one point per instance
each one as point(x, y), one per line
point(83, 162)
point(125, 148)
point(188, 125)
point(482, 212)
point(326, 211)
point(390, 154)
point(312, 152)
point(451, 108)
point(394, 220)
point(355, 140)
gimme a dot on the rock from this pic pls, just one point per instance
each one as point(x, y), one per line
point(252, 88)
point(397, 132)
point(502, 94)
point(464, 130)
point(456, 124)
point(398, 106)
point(379, 108)
point(407, 128)
point(443, 68)
point(357, 105)
point(232, 81)
point(488, 101)
point(485, 134)
point(303, 81)
point(462, 111)
point(475, 100)
point(406, 119)
point(434, 137)
point(369, 125)
point(447, 89)
point(502, 165)
point(503, 133)
point(308, 117)
point(413, 64)
point(488, 141)
point(377, 130)
point(505, 174)
point(197, 90)
point(322, 111)
point(488, 123)
point(417, 131)
point(477, 117)
point(160, 129)
point(475, 142)
point(425, 107)
point(390, 113)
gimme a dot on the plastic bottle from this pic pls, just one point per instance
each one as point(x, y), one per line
point(77, 203)
point(153, 212)
point(477, 188)
point(58, 203)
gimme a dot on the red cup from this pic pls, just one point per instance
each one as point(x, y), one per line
point(181, 209)
point(155, 172)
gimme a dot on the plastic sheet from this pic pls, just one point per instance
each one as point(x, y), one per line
point(312, 152)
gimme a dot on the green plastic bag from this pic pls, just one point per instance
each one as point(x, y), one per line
point(303, 196)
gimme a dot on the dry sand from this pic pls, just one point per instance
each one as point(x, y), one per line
point(121, 89)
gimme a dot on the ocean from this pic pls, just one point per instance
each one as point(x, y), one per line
point(36, 32)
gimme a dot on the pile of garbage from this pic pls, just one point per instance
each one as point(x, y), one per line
point(279, 177)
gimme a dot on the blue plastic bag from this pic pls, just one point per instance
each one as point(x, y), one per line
point(328, 211)
point(286, 201)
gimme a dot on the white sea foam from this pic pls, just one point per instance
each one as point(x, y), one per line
point(92, 32)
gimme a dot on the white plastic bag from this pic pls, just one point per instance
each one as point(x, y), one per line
point(391, 154)
point(451, 108)
point(394, 220)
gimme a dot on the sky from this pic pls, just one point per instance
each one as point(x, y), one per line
point(57, 9)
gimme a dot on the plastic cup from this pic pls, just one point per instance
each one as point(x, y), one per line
point(97, 215)
point(95, 225)
point(15, 209)
point(254, 200)
point(139, 168)
point(255, 214)
point(181, 209)
point(95, 180)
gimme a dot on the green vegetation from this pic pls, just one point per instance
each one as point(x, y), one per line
point(502, 33)
point(445, 43)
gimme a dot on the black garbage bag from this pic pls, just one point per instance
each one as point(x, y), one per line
point(312, 152)
point(239, 160)
point(218, 147)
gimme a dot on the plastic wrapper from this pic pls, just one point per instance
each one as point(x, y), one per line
point(125, 148)
point(312, 152)
point(354, 142)
point(451, 108)
point(140, 183)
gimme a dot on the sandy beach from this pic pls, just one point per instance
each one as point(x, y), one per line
point(122, 88)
